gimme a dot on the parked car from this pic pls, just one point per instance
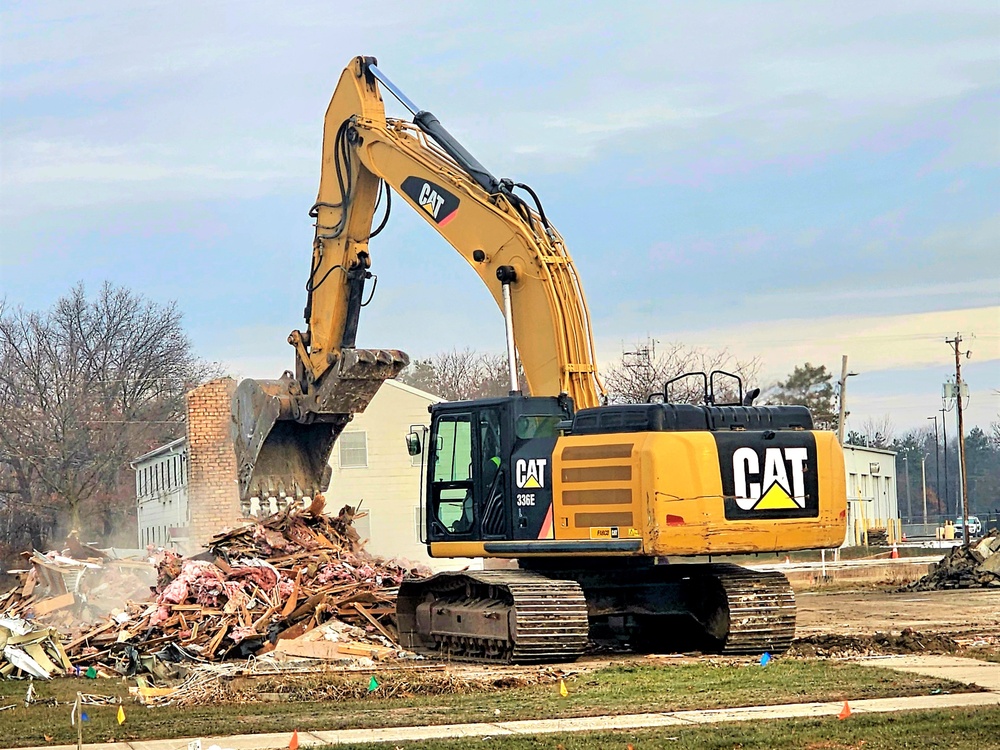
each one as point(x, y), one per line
point(975, 527)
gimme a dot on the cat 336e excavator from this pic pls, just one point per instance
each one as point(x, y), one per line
point(599, 504)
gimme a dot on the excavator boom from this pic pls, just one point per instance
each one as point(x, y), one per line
point(285, 429)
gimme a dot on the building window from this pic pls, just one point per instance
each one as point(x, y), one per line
point(353, 450)
point(363, 525)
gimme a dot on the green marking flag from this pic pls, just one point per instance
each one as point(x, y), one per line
point(372, 684)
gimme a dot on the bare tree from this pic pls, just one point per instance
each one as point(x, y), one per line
point(878, 432)
point(461, 375)
point(643, 372)
point(84, 387)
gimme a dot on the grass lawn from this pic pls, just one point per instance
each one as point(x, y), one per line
point(960, 729)
point(626, 688)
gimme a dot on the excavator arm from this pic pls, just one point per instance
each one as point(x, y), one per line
point(284, 430)
point(479, 215)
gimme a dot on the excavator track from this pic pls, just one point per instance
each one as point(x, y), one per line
point(712, 607)
point(759, 610)
point(499, 616)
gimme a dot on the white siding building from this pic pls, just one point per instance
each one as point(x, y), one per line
point(371, 468)
point(871, 491)
point(161, 479)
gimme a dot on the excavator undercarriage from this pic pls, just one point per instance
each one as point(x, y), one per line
point(550, 614)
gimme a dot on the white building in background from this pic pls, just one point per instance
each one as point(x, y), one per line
point(871, 490)
point(372, 468)
point(161, 479)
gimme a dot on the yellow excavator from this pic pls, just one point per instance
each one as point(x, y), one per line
point(610, 511)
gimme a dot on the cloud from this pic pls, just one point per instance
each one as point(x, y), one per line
point(699, 93)
point(873, 343)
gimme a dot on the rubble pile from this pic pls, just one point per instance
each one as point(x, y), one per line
point(58, 593)
point(977, 566)
point(262, 587)
point(75, 586)
point(908, 641)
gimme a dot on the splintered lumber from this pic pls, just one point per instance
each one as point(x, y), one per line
point(293, 600)
point(29, 584)
point(309, 649)
point(375, 623)
point(53, 603)
point(268, 582)
point(213, 645)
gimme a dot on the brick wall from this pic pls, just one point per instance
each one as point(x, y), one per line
point(213, 492)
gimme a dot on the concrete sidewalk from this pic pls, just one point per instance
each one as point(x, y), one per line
point(970, 671)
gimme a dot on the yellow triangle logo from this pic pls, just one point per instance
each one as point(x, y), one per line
point(428, 207)
point(776, 498)
point(532, 482)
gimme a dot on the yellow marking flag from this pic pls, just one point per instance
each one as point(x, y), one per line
point(562, 688)
point(121, 715)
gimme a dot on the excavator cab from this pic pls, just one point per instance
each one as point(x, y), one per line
point(487, 468)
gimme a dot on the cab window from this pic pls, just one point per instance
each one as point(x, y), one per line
point(536, 426)
point(452, 476)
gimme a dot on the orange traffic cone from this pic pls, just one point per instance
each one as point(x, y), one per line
point(895, 553)
point(788, 560)
point(294, 744)
point(844, 712)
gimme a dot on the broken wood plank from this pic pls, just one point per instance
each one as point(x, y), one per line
point(216, 641)
point(375, 623)
point(262, 620)
point(53, 603)
point(309, 649)
point(308, 606)
point(29, 584)
point(364, 649)
point(89, 634)
point(293, 599)
point(296, 630)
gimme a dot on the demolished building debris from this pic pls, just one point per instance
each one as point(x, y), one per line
point(977, 566)
point(259, 588)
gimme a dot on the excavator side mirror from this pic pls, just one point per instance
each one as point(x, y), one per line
point(413, 444)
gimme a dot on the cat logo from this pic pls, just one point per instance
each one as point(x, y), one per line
point(430, 201)
point(781, 483)
point(530, 472)
point(440, 205)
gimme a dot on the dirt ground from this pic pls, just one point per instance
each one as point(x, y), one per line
point(970, 616)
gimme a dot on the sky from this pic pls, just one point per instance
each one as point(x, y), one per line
point(791, 181)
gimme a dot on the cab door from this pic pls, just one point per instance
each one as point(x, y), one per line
point(492, 479)
point(469, 476)
point(451, 497)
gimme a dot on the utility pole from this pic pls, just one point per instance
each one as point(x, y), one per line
point(844, 375)
point(937, 464)
point(923, 478)
point(906, 475)
point(961, 436)
point(944, 439)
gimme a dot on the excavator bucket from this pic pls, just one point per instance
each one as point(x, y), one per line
point(284, 435)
